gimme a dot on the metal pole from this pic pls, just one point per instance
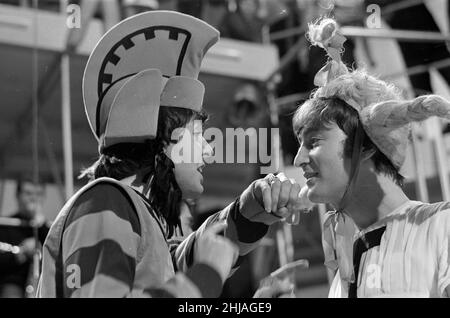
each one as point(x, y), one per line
point(2, 194)
point(111, 13)
point(400, 35)
point(419, 164)
point(66, 125)
point(360, 32)
point(401, 5)
point(437, 137)
point(418, 69)
point(53, 162)
point(34, 271)
point(66, 119)
point(283, 235)
point(439, 146)
point(35, 101)
point(281, 245)
point(287, 58)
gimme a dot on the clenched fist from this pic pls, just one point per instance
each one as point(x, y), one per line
point(281, 198)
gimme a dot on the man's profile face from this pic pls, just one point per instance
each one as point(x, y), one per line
point(325, 168)
point(188, 167)
point(30, 198)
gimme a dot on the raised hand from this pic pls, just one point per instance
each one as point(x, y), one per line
point(280, 197)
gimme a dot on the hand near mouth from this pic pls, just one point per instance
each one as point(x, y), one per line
point(282, 199)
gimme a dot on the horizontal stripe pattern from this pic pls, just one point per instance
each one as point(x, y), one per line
point(158, 293)
point(105, 196)
point(102, 286)
point(103, 259)
point(94, 228)
point(86, 231)
point(179, 286)
point(100, 241)
point(258, 230)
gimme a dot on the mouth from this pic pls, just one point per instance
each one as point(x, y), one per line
point(309, 175)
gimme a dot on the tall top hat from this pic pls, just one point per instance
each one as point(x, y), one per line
point(146, 61)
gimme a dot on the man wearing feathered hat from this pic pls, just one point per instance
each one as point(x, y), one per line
point(111, 239)
point(353, 134)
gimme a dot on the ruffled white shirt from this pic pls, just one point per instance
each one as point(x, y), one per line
point(412, 259)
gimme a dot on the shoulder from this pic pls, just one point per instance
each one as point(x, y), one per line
point(103, 187)
point(429, 212)
point(104, 197)
point(431, 219)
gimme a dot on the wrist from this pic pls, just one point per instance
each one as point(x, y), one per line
point(251, 205)
point(250, 202)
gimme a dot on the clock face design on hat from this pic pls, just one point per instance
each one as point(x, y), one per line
point(164, 47)
point(168, 41)
point(155, 44)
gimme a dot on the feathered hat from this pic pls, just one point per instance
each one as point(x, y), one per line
point(387, 122)
point(146, 61)
point(385, 117)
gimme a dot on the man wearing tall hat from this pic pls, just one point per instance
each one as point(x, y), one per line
point(143, 100)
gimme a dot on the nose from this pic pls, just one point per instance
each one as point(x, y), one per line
point(302, 156)
point(207, 149)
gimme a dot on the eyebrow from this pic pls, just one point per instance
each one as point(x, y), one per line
point(306, 132)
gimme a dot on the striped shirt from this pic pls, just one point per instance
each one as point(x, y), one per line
point(107, 241)
point(405, 254)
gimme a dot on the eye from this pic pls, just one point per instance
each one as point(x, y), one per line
point(313, 142)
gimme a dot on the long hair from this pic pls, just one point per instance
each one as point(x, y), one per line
point(126, 159)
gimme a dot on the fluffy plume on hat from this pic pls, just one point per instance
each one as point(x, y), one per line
point(384, 114)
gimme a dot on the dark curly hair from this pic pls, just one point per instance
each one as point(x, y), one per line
point(126, 159)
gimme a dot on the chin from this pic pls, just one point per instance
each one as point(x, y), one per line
point(315, 196)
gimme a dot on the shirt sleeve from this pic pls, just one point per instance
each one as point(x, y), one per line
point(242, 231)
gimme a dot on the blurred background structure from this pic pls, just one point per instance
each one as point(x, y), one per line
point(256, 76)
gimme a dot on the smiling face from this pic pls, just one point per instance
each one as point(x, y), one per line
point(326, 169)
point(188, 151)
